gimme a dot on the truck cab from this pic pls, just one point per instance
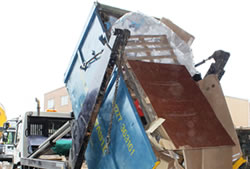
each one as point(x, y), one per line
point(33, 129)
point(9, 131)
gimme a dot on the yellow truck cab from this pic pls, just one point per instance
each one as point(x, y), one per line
point(3, 117)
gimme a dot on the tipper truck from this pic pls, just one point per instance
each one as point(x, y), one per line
point(138, 101)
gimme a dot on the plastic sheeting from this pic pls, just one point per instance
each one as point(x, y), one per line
point(139, 24)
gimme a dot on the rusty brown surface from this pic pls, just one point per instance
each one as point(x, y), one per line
point(190, 120)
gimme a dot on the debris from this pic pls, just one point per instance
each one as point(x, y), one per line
point(185, 36)
point(140, 24)
point(190, 120)
point(212, 90)
point(161, 117)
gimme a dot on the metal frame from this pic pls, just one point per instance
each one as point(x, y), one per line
point(38, 163)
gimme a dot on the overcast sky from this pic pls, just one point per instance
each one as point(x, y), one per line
point(38, 37)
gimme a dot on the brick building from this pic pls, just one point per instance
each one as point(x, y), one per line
point(58, 99)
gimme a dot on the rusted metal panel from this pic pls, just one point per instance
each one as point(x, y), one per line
point(190, 120)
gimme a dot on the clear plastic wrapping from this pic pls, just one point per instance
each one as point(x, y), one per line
point(139, 24)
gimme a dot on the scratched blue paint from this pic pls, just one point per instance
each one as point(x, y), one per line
point(80, 82)
point(141, 155)
point(84, 85)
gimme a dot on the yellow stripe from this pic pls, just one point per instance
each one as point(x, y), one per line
point(2, 116)
point(156, 164)
point(239, 163)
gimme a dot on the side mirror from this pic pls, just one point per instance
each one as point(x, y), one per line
point(5, 137)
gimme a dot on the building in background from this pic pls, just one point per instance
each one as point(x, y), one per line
point(58, 99)
point(239, 110)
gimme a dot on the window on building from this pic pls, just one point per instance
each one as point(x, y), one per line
point(64, 100)
point(51, 104)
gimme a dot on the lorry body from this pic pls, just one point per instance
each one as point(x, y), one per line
point(107, 131)
point(33, 129)
point(119, 139)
